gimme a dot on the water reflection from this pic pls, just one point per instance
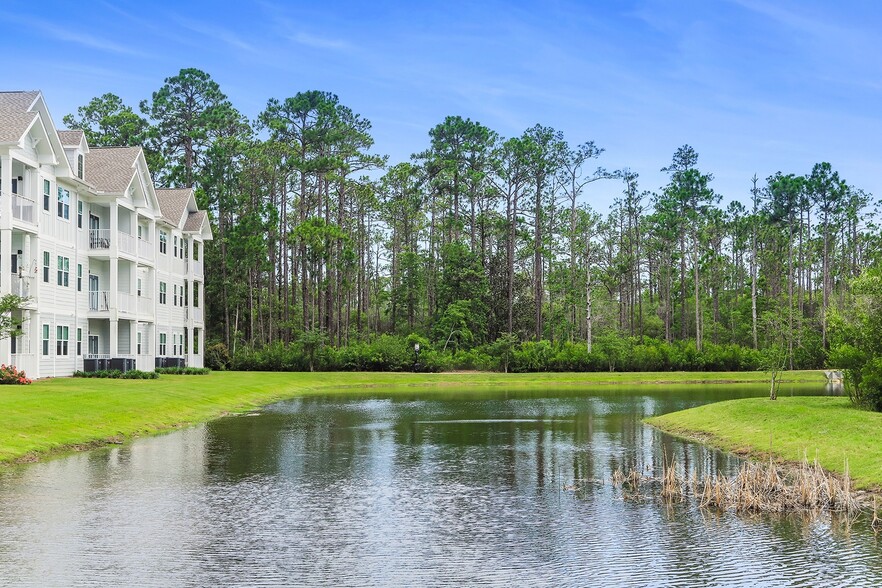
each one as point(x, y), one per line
point(450, 489)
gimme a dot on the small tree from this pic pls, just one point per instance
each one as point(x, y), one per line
point(504, 348)
point(10, 325)
point(312, 341)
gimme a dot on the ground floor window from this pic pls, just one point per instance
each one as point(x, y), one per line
point(162, 344)
point(45, 339)
point(61, 338)
point(139, 344)
point(79, 341)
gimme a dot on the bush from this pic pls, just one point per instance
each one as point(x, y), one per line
point(217, 357)
point(9, 374)
point(117, 374)
point(183, 371)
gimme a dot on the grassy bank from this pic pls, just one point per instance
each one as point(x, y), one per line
point(70, 413)
point(826, 427)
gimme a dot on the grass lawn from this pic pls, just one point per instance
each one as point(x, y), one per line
point(823, 426)
point(70, 413)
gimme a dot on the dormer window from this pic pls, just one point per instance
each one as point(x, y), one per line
point(80, 166)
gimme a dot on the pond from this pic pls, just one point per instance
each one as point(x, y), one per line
point(448, 488)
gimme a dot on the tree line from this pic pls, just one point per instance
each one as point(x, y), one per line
point(483, 240)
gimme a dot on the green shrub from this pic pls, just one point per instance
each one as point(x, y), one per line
point(217, 357)
point(183, 371)
point(117, 374)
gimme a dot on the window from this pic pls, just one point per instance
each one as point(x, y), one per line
point(80, 166)
point(196, 250)
point(163, 242)
point(139, 343)
point(176, 246)
point(45, 339)
point(185, 294)
point(79, 341)
point(61, 338)
point(79, 277)
point(140, 230)
point(139, 287)
point(46, 266)
point(185, 342)
point(175, 297)
point(196, 341)
point(63, 271)
point(47, 193)
point(185, 249)
point(195, 295)
point(63, 203)
point(79, 214)
point(162, 346)
point(174, 344)
point(163, 289)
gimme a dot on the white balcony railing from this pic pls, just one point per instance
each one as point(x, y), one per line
point(145, 305)
point(197, 268)
point(126, 302)
point(99, 238)
point(20, 345)
point(22, 286)
point(23, 208)
point(98, 300)
point(97, 356)
point(127, 243)
point(197, 314)
point(145, 249)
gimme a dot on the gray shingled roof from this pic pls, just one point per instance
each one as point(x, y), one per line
point(15, 118)
point(70, 138)
point(194, 222)
point(110, 169)
point(173, 202)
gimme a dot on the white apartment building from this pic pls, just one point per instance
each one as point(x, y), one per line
point(110, 265)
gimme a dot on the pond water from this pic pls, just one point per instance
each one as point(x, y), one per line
point(459, 488)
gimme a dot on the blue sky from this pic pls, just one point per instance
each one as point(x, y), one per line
point(755, 86)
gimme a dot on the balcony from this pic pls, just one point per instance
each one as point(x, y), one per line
point(145, 306)
point(126, 302)
point(99, 239)
point(127, 243)
point(196, 313)
point(22, 286)
point(197, 269)
point(23, 209)
point(145, 249)
point(98, 300)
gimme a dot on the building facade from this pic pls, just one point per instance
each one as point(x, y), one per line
point(110, 266)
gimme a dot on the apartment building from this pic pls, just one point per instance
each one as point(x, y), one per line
point(110, 266)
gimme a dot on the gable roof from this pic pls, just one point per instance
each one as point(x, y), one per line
point(173, 203)
point(195, 221)
point(70, 138)
point(16, 116)
point(110, 169)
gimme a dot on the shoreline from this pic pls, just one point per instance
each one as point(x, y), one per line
point(788, 431)
point(60, 416)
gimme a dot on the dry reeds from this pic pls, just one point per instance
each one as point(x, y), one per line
point(754, 488)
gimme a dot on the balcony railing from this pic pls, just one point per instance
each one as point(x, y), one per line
point(126, 302)
point(22, 286)
point(98, 300)
point(197, 314)
point(97, 356)
point(99, 238)
point(20, 345)
point(127, 243)
point(23, 208)
point(197, 268)
point(145, 305)
point(145, 249)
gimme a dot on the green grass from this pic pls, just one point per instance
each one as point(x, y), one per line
point(60, 414)
point(826, 427)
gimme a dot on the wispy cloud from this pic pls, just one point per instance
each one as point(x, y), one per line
point(72, 34)
point(321, 42)
point(221, 34)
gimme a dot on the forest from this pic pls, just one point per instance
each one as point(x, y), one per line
point(486, 250)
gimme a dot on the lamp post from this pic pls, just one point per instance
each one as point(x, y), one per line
point(416, 356)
